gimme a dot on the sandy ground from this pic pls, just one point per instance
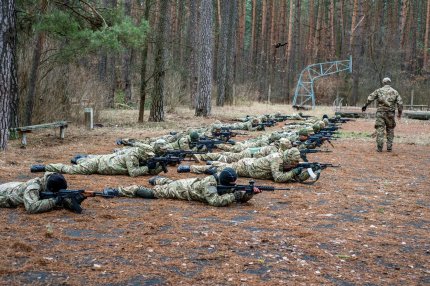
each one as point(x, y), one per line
point(366, 223)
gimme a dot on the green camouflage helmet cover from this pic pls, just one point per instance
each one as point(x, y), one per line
point(292, 156)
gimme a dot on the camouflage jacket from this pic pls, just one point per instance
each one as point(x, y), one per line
point(386, 99)
point(26, 193)
point(194, 189)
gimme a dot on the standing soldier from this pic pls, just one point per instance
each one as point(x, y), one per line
point(386, 100)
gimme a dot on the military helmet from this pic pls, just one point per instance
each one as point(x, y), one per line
point(275, 136)
point(303, 132)
point(55, 182)
point(160, 145)
point(228, 176)
point(316, 127)
point(255, 121)
point(284, 144)
point(325, 116)
point(292, 155)
point(386, 80)
point(326, 122)
point(194, 136)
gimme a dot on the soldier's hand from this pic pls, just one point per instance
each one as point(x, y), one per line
point(152, 165)
point(256, 190)
point(363, 109)
point(297, 171)
point(59, 201)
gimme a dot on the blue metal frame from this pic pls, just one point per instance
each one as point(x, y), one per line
point(305, 86)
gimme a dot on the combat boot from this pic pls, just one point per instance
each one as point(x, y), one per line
point(37, 168)
point(184, 169)
point(145, 193)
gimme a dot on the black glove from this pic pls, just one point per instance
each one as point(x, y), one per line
point(242, 196)
point(152, 165)
point(316, 167)
point(59, 201)
point(297, 171)
point(363, 109)
point(153, 180)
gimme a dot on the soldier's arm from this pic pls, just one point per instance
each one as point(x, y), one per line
point(371, 97)
point(134, 169)
point(32, 202)
point(280, 176)
point(399, 105)
point(216, 200)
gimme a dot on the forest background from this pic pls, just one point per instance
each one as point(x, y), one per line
point(65, 55)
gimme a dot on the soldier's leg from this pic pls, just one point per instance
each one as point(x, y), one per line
point(199, 169)
point(391, 124)
point(84, 167)
point(208, 156)
point(136, 191)
point(162, 181)
point(380, 128)
point(234, 157)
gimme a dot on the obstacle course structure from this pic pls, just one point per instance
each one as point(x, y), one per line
point(304, 93)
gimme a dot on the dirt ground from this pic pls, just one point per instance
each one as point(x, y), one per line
point(366, 223)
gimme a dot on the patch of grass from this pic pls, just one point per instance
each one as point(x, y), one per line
point(355, 135)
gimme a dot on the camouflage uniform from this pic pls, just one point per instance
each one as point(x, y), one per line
point(270, 167)
point(249, 125)
point(240, 146)
point(138, 143)
point(386, 100)
point(193, 189)
point(229, 157)
point(111, 164)
point(14, 194)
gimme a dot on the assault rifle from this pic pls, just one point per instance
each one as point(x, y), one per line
point(225, 134)
point(314, 166)
point(210, 144)
point(181, 153)
point(221, 189)
point(319, 140)
point(76, 197)
point(339, 120)
point(163, 161)
point(308, 151)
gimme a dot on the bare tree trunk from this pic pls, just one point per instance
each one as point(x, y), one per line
point(332, 29)
point(8, 67)
point(230, 53)
point(127, 59)
point(222, 52)
point(253, 32)
point(160, 63)
point(426, 39)
point(144, 57)
point(203, 107)
point(193, 44)
point(355, 47)
point(34, 72)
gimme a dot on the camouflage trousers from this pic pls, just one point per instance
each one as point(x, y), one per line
point(86, 166)
point(225, 157)
point(385, 121)
point(130, 191)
